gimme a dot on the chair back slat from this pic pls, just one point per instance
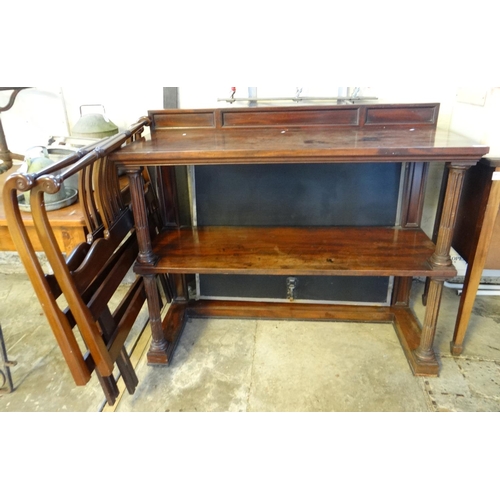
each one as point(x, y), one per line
point(89, 208)
point(100, 252)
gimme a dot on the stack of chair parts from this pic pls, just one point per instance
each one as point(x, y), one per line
point(88, 279)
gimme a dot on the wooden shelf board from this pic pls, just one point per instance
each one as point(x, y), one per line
point(334, 251)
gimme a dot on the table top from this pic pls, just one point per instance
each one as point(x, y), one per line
point(67, 216)
point(313, 134)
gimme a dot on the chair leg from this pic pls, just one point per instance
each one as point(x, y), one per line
point(109, 388)
point(127, 371)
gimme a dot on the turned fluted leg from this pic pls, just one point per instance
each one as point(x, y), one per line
point(456, 173)
point(425, 351)
point(165, 333)
point(159, 344)
point(424, 354)
point(136, 181)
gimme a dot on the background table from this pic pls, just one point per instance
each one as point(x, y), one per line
point(68, 224)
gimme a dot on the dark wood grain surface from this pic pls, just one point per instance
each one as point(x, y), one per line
point(204, 146)
point(365, 251)
point(336, 133)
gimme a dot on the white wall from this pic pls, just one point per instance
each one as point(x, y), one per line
point(36, 114)
point(124, 104)
point(480, 121)
point(195, 97)
point(41, 112)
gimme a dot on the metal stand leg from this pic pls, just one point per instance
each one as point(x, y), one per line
point(6, 384)
point(6, 156)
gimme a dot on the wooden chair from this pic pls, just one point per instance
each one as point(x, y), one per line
point(87, 279)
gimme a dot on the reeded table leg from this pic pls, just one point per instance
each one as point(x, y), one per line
point(166, 333)
point(146, 255)
point(159, 345)
point(424, 354)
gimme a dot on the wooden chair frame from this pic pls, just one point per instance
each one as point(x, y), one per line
point(89, 277)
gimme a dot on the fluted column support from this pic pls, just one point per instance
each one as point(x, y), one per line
point(456, 173)
point(424, 354)
point(425, 351)
point(136, 181)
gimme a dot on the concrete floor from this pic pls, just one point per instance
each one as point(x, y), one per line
point(263, 366)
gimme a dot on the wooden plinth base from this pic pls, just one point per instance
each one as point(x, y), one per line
point(172, 326)
point(402, 318)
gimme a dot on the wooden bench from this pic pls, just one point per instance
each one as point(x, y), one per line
point(76, 297)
